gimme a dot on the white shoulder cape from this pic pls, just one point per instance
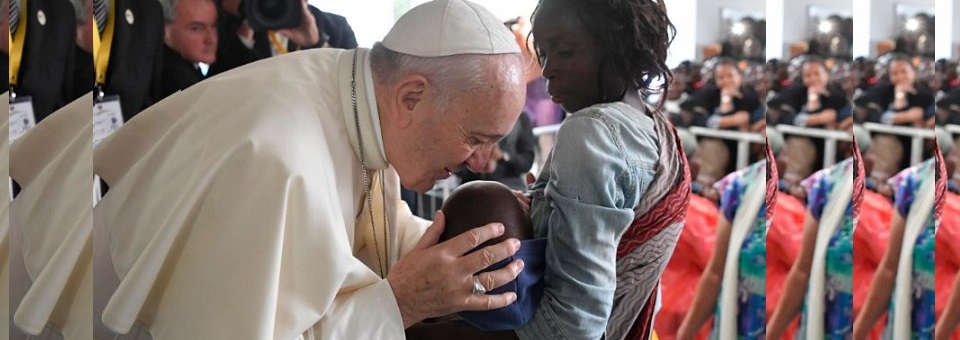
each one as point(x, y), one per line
point(232, 209)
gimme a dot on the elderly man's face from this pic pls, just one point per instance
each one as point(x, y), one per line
point(440, 143)
point(194, 31)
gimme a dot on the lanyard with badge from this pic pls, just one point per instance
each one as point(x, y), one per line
point(107, 114)
point(21, 118)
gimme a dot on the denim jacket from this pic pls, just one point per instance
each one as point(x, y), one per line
point(582, 203)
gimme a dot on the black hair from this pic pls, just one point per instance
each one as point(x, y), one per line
point(632, 37)
point(723, 61)
point(817, 60)
point(894, 57)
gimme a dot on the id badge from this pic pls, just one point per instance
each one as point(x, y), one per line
point(107, 117)
point(21, 117)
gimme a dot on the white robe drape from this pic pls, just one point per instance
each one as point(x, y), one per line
point(233, 206)
point(50, 223)
point(4, 218)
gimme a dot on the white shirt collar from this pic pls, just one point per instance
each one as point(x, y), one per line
point(372, 99)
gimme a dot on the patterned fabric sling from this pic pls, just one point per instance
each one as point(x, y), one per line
point(772, 178)
point(646, 246)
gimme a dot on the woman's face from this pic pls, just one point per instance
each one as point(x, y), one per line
point(569, 58)
point(815, 75)
point(727, 76)
point(902, 73)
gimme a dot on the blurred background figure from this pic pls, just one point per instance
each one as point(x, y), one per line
point(241, 43)
point(717, 102)
point(83, 75)
point(42, 39)
point(540, 108)
point(129, 63)
point(190, 38)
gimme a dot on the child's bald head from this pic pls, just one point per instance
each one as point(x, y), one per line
point(475, 204)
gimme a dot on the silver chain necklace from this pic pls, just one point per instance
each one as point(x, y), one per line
point(366, 178)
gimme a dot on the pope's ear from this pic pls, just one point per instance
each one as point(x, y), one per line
point(410, 96)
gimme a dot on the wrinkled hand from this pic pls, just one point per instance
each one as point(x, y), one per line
point(437, 279)
point(307, 34)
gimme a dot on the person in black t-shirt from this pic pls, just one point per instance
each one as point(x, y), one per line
point(901, 100)
point(726, 104)
point(813, 102)
point(948, 108)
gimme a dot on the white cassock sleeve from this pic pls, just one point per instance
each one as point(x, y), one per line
point(409, 227)
point(51, 222)
point(4, 218)
point(239, 240)
point(351, 308)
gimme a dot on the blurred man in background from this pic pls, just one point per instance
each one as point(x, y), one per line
point(190, 37)
point(240, 44)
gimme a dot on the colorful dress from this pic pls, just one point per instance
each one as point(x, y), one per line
point(838, 318)
point(908, 183)
point(751, 307)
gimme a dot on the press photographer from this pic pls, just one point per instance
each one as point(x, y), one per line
point(251, 30)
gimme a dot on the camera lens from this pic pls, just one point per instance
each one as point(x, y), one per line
point(273, 14)
point(273, 9)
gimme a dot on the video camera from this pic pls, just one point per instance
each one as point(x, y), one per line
point(263, 15)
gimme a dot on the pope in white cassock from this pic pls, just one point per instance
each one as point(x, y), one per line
point(4, 218)
point(264, 203)
point(50, 221)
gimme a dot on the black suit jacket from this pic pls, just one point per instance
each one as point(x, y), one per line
point(878, 99)
point(793, 99)
point(136, 56)
point(83, 74)
point(5, 60)
point(232, 53)
point(178, 74)
point(706, 100)
point(46, 67)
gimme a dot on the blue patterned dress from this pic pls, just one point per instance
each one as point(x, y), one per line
point(838, 318)
point(908, 183)
point(752, 312)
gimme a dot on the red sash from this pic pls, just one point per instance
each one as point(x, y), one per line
point(672, 209)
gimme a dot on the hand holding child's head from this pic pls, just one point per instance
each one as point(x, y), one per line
point(481, 202)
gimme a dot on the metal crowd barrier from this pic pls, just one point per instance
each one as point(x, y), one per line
point(830, 138)
point(916, 137)
point(953, 129)
point(743, 140)
point(544, 130)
